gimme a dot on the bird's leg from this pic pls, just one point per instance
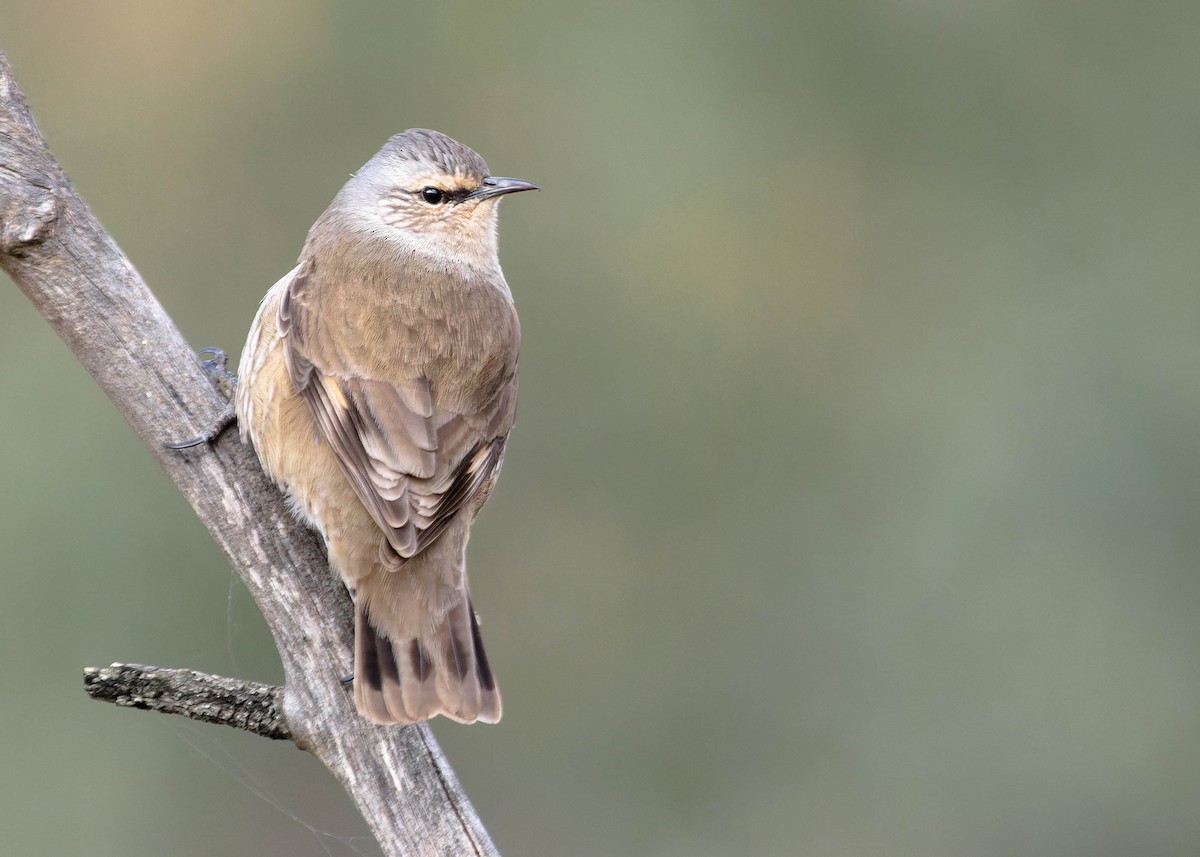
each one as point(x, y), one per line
point(226, 383)
point(214, 367)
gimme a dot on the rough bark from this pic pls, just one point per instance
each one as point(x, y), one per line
point(60, 256)
point(247, 705)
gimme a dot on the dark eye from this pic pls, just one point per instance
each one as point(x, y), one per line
point(432, 195)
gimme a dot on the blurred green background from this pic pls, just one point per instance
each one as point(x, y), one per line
point(852, 507)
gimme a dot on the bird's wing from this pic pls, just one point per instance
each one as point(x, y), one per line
point(412, 466)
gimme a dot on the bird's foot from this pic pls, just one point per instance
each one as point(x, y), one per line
point(214, 367)
point(226, 384)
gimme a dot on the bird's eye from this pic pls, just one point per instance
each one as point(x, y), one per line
point(432, 195)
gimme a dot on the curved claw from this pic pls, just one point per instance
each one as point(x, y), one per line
point(216, 365)
point(214, 368)
point(227, 418)
point(186, 444)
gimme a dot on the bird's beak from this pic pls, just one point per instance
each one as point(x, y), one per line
point(498, 185)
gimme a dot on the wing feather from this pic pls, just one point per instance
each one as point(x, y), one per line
point(412, 465)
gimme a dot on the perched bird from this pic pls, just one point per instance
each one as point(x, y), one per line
point(378, 387)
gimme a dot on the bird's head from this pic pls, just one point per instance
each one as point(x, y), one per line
point(432, 195)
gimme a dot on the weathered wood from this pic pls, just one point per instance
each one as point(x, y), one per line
point(246, 705)
point(70, 268)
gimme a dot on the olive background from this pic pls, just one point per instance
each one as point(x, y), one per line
point(852, 505)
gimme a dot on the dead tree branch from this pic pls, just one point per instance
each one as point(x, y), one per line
point(60, 256)
point(247, 705)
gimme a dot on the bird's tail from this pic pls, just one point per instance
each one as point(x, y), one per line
point(406, 679)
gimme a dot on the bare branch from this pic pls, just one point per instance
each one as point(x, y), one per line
point(208, 698)
point(74, 273)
